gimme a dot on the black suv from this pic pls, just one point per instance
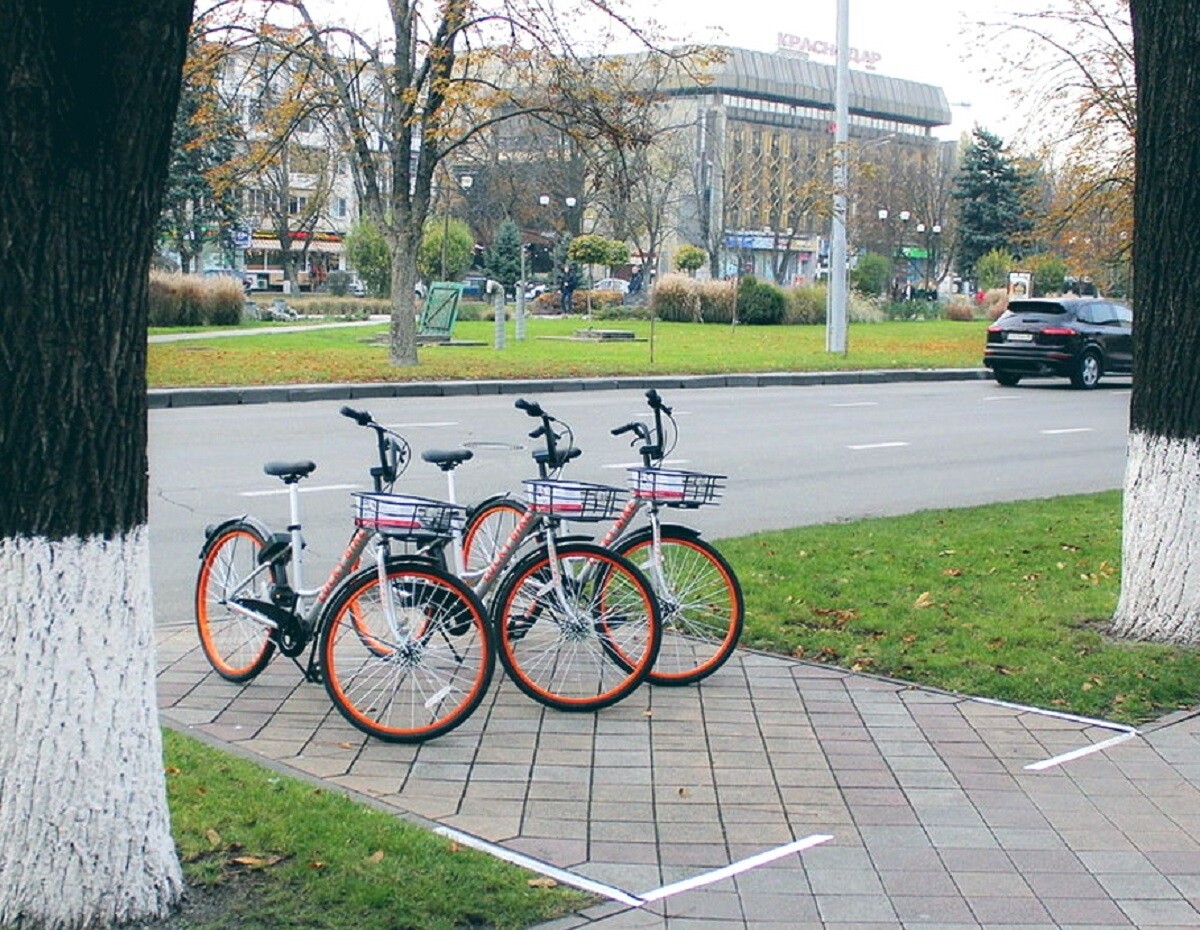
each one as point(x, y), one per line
point(1080, 338)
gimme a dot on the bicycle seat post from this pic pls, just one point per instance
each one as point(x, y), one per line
point(447, 462)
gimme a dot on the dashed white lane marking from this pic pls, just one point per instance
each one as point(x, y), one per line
point(416, 425)
point(860, 403)
point(877, 445)
point(1078, 753)
point(988, 400)
point(1063, 432)
point(736, 868)
point(311, 489)
point(562, 876)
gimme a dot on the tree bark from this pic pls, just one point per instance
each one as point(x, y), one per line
point(88, 90)
point(1160, 578)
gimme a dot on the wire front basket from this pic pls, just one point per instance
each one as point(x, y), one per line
point(406, 515)
point(575, 500)
point(676, 488)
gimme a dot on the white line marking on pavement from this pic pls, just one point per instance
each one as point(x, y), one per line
point(639, 464)
point(312, 489)
point(544, 868)
point(736, 868)
point(1059, 715)
point(1078, 753)
point(860, 403)
point(877, 445)
point(988, 400)
point(415, 425)
point(1063, 432)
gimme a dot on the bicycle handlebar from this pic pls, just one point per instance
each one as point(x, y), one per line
point(530, 407)
point(393, 448)
point(654, 399)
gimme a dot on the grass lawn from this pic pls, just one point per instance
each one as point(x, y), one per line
point(264, 851)
point(1008, 601)
point(359, 354)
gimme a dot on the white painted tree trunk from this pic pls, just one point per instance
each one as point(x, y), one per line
point(84, 828)
point(1160, 561)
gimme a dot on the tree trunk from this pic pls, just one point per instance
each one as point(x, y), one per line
point(87, 95)
point(1160, 579)
point(403, 329)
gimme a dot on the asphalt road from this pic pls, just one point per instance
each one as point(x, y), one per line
point(794, 456)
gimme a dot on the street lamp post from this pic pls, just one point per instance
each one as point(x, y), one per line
point(465, 183)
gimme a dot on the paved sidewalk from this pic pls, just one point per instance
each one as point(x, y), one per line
point(777, 794)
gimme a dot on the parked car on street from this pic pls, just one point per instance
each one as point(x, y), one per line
point(620, 285)
point(1081, 338)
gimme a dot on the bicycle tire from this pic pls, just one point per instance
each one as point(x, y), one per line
point(418, 676)
point(556, 641)
point(489, 526)
point(236, 647)
point(702, 608)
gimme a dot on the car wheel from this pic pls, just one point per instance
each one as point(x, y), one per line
point(1007, 378)
point(1087, 374)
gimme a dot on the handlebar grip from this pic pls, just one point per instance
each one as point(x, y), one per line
point(538, 433)
point(361, 417)
point(624, 429)
point(530, 407)
point(654, 399)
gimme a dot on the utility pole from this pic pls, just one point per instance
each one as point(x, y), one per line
point(835, 323)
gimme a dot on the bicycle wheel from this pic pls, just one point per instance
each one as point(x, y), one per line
point(561, 626)
point(699, 598)
point(236, 646)
point(423, 663)
point(488, 528)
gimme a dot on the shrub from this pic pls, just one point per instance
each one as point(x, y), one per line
point(960, 309)
point(806, 305)
point(759, 303)
point(995, 302)
point(870, 274)
point(672, 299)
point(716, 300)
point(600, 300)
point(992, 268)
point(338, 283)
point(863, 309)
point(546, 304)
point(192, 300)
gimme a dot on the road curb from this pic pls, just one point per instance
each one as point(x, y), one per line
point(165, 398)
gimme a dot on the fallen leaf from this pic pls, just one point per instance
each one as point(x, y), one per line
point(316, 864)
point(213, 837)
point(542, 883)
point(684, 793)
point(376, 856)
point(923, 601)
point(172, 770)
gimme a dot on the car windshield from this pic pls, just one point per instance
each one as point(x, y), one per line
point(1033, 306)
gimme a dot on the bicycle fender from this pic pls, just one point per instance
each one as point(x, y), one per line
point(215, 529)
point(642, 533)
point(504, 498)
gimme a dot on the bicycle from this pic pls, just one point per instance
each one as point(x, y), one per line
point(403, 648)
point(700, 597)
point(577, 625)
